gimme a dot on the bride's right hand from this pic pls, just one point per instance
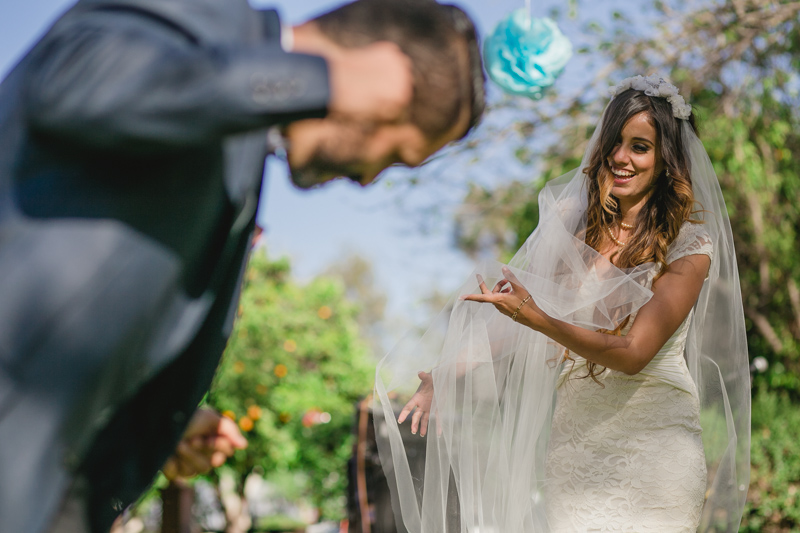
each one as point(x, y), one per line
point(421, 400)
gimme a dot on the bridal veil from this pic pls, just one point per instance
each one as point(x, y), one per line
point(495, 380)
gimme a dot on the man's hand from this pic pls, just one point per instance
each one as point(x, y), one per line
point(207, 443)
point(373, 83)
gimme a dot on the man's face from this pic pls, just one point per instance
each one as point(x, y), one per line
point(357, 151)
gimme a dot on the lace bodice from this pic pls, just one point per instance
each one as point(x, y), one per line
point(627, 455)
point(668, 364)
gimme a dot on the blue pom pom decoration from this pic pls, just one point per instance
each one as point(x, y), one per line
point(525, 55)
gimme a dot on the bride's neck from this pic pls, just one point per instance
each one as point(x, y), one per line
point(630, 211)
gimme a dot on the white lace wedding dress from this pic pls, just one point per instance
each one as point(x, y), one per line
point(628, 456)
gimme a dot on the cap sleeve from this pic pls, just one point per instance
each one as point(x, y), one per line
point(693, 239)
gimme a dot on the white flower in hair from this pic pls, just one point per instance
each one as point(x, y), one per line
point(667, 90)
point(658, 87)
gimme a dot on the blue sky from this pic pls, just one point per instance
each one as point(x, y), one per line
point(320, 227)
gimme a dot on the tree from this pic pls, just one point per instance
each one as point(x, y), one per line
point(360, 288)
point(291, 374)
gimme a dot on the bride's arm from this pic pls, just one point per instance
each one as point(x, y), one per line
point(674, 295)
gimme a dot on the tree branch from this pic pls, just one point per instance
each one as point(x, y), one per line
point(794, 297)
point(763, 326)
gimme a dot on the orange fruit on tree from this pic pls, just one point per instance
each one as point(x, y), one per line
point(254, 412)
point(246, 423)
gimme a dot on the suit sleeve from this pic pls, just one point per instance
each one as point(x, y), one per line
point(130, 84)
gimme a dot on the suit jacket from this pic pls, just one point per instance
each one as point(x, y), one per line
point(132, 145)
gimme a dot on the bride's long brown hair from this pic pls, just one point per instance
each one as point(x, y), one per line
point(671, 201)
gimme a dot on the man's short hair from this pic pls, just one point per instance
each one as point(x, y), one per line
point(434, 36)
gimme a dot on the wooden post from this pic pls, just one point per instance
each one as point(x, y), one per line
point(176, 508)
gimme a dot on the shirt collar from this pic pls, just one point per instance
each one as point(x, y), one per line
point(287, 38)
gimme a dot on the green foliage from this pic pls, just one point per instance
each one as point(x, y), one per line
point(293, 369)
point(752, 151)
point(773, 502)
point(279, 523)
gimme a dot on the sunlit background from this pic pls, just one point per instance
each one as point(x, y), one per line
point(362, 266)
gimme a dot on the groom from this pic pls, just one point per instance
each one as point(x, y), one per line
point(132, 146)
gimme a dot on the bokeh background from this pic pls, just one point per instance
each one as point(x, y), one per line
point(342, 272)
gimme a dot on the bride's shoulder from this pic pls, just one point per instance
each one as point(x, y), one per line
point(692, 239)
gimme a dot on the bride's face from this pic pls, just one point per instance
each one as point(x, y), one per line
point(635, 161)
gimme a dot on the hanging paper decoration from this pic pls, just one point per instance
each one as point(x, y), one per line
point(525, 55)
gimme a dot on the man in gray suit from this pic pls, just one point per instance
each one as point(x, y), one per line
point(132, 146)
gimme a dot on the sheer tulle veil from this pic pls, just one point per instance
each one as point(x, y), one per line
point(495, 380)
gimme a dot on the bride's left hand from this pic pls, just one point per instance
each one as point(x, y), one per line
point(506, 296)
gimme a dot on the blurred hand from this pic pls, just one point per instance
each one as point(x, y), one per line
point(421, 400)
point(207, 443)
point(373, 83)
point(257, 232)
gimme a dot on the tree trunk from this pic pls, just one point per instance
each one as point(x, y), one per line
point(176, 515)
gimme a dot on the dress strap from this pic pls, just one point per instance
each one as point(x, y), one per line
point(692, 239)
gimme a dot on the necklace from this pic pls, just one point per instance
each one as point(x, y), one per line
point(616, 241)
point(625, 226)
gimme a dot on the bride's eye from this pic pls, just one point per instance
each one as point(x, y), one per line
point(640, 148)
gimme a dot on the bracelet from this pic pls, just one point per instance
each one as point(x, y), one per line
point(523, 302)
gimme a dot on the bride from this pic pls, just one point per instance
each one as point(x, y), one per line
point(611, 392)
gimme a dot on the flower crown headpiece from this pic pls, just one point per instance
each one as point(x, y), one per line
point(657, 86)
